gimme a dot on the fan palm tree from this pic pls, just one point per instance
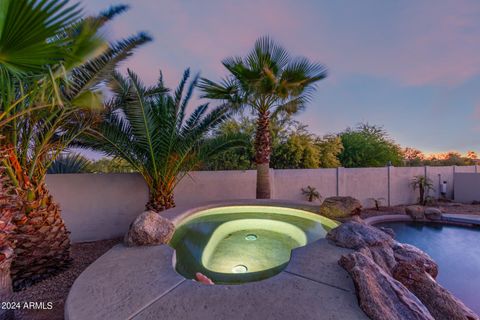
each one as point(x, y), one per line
point(46, 102)
point(149, 128)
point(269, 82)
point(69, 163)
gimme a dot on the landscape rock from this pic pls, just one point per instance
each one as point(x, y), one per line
point(382, 255)
point(354, 235)
point(379, 295)
point(439, 301)
point(340, 207)
point(405, 253)
point(149, 228)
point(388, 231)
point(416, 212)
point(433, 213)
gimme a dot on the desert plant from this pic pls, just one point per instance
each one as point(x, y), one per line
point(148, 127)
point(69, 163)
point(311, 193)
point(45, 104)
point(269, 82)
point(377, 202)
point(424, 186)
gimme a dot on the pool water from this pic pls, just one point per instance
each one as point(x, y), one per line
point(456, 251)
point(239, 244)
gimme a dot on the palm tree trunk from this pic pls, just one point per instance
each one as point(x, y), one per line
point(8, 208)
point(262, 155)
point(160, 201)
point(43, 245)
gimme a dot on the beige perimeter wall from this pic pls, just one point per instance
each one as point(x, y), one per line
point(101, 206)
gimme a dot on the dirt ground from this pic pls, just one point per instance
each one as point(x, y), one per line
point(446, 207)
point(56, 289)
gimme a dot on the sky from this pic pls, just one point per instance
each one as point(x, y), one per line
point(412, 66)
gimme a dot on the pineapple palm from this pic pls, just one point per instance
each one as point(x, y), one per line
point(44, 107)
point(9, 207)
point(269, 82)
point(148, 127)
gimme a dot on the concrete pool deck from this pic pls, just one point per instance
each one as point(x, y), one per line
point(141, 283)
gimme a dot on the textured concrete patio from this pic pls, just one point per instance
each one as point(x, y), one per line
point(141, 283)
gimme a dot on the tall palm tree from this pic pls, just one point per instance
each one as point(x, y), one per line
point(149, 128)
point(46, 102)
point(269, 82)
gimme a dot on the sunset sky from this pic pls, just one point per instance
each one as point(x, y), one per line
point(411, 66)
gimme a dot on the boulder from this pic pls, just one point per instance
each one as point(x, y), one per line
point(388, 231)
point(433, 213)
point(379, 295)
point(149, 228)
point(354, 235)
point(405, 253)
point(439, 301)
point(416, 212)
point(340, 207)
point(382, 255)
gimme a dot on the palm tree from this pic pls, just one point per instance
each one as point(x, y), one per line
point(69, 163)
point(51, 65)
point(148, 127)
point(269, 82)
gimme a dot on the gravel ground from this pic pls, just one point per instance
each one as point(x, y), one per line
point(56, 289)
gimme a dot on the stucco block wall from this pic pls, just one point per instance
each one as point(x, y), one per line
point(98, 206)
point(288, 184)
point(401, 191)
point(467, 187)
point(365, 183)
point(201, 186)
point(102, 206)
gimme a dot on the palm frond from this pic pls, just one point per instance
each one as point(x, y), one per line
point(69, 163)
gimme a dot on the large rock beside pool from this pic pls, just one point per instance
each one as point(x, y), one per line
point(340, 207)
point(355, 235)
point(439, 301)
point(433, 213)
point(405, 253)
point(379, 295)
point(149, 228)
point(415, 212)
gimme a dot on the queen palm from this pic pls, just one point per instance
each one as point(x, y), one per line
point(268, 82)
point(51, 64)
point(149, 128)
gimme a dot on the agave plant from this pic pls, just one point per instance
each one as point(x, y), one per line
point(69, 163)
point(149, 128)
point(51, 64)
point(268, 82)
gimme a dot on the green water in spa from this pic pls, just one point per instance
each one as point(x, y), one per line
point(243, 243)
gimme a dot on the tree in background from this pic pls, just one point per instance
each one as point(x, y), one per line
point(268, 82)
point(293, 146)
point(368, 146)
point(330, 147)
point(413, 157)
point(110, 165)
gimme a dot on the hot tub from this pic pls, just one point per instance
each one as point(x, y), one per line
point(237, 244)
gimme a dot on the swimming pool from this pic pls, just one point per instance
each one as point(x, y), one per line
point(455, 249)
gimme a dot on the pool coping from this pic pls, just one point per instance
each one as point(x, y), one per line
point(447, 218)
point(127, 282)
point(178, 214)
